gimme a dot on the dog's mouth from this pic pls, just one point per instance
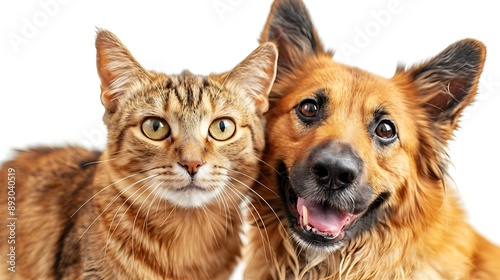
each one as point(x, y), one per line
point(318, 222)
point(325, 224)
point(323, 221)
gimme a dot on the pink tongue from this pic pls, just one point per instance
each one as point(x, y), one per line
point(324, 219)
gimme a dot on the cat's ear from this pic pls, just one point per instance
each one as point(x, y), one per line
point(448, 82)
point(116, 67)
point(255, 75)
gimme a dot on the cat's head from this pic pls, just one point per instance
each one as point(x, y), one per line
point(186, 138)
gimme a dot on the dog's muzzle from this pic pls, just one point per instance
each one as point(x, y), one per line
point(326, 193)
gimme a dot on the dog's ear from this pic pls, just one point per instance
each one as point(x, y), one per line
point(290, 27)
point(448, 82)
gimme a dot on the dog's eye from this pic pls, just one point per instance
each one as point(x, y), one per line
point(386, 130)
point(307, 110)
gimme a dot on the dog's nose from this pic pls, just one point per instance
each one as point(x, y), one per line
point(335, 166)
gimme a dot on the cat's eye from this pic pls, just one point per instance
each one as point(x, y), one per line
point(222, 129)
point(155, 128)
point(386, 131)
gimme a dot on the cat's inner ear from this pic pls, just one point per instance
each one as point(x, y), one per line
point(116, 67)
point(255, 75)
point(448, 82)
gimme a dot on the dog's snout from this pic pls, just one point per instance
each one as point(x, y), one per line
point(336, 166)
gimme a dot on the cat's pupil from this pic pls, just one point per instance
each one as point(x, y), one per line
point(222, 126)
point(156, 125)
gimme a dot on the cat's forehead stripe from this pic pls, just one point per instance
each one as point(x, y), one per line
point(188, 89)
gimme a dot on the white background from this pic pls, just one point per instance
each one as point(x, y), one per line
point(50, 88)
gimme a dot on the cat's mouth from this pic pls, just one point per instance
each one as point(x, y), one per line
point(191, 187)
point(191, 195)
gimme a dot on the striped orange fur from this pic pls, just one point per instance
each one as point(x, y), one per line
point(162, 201)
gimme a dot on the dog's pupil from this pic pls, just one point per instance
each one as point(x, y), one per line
point(384, 130)
point(309, 109)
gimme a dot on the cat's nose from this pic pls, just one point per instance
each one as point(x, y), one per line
point(191, 166)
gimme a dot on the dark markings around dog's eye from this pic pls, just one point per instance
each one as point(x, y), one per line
point(311, 110)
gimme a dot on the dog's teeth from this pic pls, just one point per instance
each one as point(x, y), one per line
point(305, 215)
point(313, 230)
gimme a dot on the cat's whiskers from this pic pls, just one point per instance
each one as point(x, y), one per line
point(98, 161)
point(204, 208)
point(171, 211)
point(137, 214)
point(254, 192)
point(244, 198)
point(110, 236)
point(221, 199)
point(109, 204)
point(255, 180)
point(264, 236)
point(271, 167)
point(115, 182)
point(100, 191)
point(267, 164)
point(161, 194)
point(234, 203)
point(157, 194)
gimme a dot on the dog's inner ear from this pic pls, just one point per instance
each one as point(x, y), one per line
point(290, 27)
point(448, 82)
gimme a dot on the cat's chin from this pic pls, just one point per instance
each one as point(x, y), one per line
point(190, 196)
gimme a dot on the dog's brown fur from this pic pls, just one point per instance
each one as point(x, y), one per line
point(410, 223)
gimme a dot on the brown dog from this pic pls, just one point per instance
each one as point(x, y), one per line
point(355, 183)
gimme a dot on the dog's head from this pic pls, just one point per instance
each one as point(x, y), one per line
point(355, 151)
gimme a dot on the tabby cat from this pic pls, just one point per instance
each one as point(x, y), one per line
point(163, 200)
